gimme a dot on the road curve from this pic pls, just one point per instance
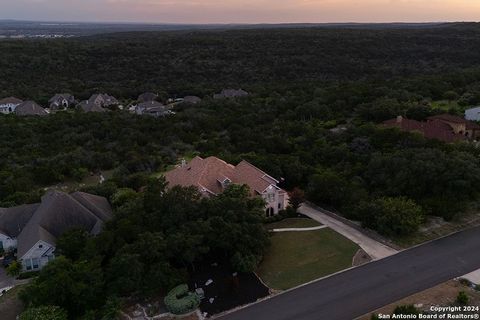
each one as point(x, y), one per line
point(358, 291)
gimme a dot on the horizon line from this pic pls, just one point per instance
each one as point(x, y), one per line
point(234, 23)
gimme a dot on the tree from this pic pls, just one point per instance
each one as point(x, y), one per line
point(391, 216)
point(75, 287)
point(327, 187)
point(296, 198)
point(72, 243)
point(14, 269)
point(44, 313)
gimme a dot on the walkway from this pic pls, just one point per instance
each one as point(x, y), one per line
point(299, 229)
point(372, 247)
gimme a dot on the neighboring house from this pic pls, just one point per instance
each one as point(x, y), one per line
point(33, 229)
point(103, 100)
point(8, 105)
point(191, 100)
point(147, 96)
point(473, 114)
point(212, 175)
point(439, 128)
point(231, 93)
point(86, 106)
point(459, 125)
point(30, 108)
point(61, 101)
point(152, 108)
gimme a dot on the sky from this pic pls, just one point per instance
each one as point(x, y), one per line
point(241, 11)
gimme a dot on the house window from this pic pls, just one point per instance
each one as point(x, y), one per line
point(1, 244)
point(40, 246)
point(35, 263)
point(28, 264)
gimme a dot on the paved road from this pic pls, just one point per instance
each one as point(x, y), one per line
point(372, 247)
point(358, 291)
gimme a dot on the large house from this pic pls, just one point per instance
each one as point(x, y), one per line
point(444, 127)
point(97, 103)
point(30, 108)
point(212, 175)
point(8, 105)
point(61, 101)
point(33, 229)
point(147, 96)
point(152, 108)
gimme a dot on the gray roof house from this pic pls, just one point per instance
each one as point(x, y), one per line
point(191, 100)
point(473, 114)
point(33, 229)
point(152, 108)
point(30, 108)
point(147, 96)
point(8, 105)
point(231, 93)
point(61, 101)
point(103, 100)
point(86, 106)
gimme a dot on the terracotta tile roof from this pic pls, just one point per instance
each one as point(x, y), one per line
point(208, 175)
point(433, 129)
point(455, 119)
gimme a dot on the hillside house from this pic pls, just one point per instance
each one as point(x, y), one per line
point(8, 105)
point(33, 229)
point(212, 175)
point(30, 108)
point(61, 101)
point(147, 96)
point(152, 108)
point(446, 128)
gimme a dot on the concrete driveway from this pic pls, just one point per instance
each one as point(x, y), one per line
point(5, 280)
point(372, 247)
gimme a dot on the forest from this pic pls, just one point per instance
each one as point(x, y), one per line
point(317, 96)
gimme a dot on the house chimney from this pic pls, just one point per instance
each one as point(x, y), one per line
point(184, 163)
point(399, 119)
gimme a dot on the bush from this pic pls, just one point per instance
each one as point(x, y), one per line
point(406, 310)
point(44, 313)
point(28, 275)
point(180, 301)
point(462, 298)
point(14, 269)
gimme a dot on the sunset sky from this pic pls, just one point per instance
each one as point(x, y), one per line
point(242, 11)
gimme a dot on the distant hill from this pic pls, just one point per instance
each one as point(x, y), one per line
point(39, 29)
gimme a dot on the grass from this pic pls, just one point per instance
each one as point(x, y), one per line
point(446, 105)
point(294, 223)
point(295, 258)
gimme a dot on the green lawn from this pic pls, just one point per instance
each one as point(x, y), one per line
point(295, 258)
point(446, 105)
point(293, 223)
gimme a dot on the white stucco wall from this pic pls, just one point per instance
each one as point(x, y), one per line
point(7, 108)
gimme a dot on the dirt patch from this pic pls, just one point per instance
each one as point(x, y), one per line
point(441, 295)
point(361, 257)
